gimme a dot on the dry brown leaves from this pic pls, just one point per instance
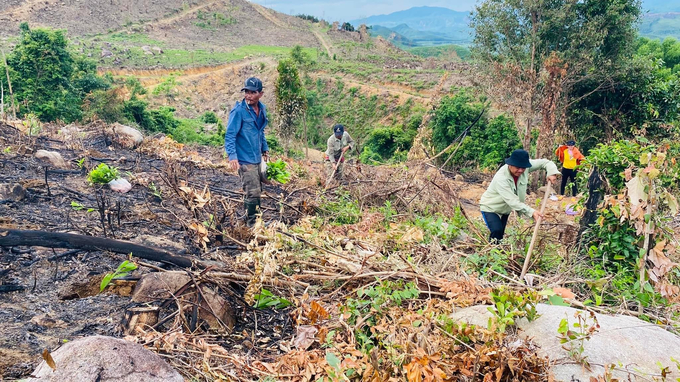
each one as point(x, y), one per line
point(464, 293)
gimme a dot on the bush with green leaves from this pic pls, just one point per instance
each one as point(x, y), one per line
point(371, 304)
point(277, 171)
point(343, 209)
point(508, 305)
point(496, 137)
point(386, 141)
point(102, 174)
point(613, 158)
point(48, 80)
point(445, 229)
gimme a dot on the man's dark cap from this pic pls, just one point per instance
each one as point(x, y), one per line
point(339, 129)
point(253, 84)
point(519, 158)
point(571, 143)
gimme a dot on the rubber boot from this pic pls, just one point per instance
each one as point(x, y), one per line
point(252, 209)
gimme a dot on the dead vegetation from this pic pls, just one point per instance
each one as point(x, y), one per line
point(366, 299)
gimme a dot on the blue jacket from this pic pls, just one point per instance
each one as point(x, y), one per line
point(245, 139)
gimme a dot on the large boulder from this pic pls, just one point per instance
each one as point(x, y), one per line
point(104, 359)
point(634, 346)
point(126, 136)
point(51, 158)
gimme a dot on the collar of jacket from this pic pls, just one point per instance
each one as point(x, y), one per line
point(260, 105)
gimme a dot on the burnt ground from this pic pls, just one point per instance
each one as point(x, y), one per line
point(50, 305)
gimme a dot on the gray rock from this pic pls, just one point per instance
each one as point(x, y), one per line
point(127, 136)
point(157, 50)
point(633, 345)
point(106, 53)
point(14, 192)
point(105, 359)
point(51, 158)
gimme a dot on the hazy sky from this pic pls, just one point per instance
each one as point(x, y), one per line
point(345, 10)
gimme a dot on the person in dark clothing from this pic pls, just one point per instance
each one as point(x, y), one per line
point(246, 145)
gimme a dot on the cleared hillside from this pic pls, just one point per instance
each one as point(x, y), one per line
point(197, 24)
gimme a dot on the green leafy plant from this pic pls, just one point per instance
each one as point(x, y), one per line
point(364, 311)
point(508, 305)
point(124, 269)
point(266, 299)
point(277, 171)
point(445, 229)
point(102, 174)
point(81, 163)
point(78, 207)
point(573, 341)
point(155, 190)
point(343, 209)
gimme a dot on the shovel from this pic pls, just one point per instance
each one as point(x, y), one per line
point(527, 260)
point(334, 170)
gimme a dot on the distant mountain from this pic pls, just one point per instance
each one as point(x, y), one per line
point(391, 36)
point(431, 26)
point(448, 25)
point(660, 6)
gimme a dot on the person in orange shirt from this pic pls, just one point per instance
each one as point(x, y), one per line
point(570, 157)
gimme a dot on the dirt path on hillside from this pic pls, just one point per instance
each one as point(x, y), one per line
point(261, 10)
point(323, 42)
point(177, 16)
point(151, 77)
point(391, 89)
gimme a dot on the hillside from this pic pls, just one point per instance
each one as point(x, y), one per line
point(660, 25)
point(213, 25)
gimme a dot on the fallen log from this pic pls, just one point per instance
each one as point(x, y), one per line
point(12, 237)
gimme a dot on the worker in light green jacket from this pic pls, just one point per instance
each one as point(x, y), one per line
point(508, 190)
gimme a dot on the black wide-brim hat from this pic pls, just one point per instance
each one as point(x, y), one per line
point(519, 158)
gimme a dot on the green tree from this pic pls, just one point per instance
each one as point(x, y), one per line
point(347, 27)
point(290, 98)
point(535, 52)
point(298, 55)
point(48, 80)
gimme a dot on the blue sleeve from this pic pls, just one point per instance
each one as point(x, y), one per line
point(265, 147)
point(233, 127)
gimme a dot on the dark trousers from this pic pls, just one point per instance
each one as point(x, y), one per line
point(496, 224)
point(568, 173)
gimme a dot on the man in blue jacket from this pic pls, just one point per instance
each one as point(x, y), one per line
point(246, 145)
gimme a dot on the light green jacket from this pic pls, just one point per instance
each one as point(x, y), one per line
point(503, 197)
point(335, 145)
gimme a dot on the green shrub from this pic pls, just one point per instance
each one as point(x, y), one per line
point(344, 209)
point(48, 80)
point(106, 105)
point(209, 117)
point(102, 174)
point(277, 171)
point(495, 138)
